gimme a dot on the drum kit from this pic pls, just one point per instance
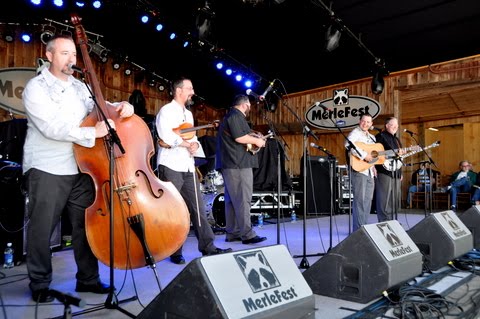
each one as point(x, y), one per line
point(212, 188)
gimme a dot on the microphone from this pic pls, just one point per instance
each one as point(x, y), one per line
point(75, 68)
point(267, 90)
point(409, 132)
point(323, 149)
point(68, 299)
point(251, 93)
point(262, 96)
point(318, 104)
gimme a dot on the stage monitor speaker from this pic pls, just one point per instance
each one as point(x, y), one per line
point(471, 219)
point(441, 237)
point(256, 283)
point(372, 259)
point(318, 184)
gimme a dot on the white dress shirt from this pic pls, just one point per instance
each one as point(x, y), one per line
point(171, 116)
point(54, 111)
point(357, 135)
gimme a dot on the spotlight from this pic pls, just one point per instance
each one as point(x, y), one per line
point(66, 32)
point(100, 51)
point(172, 36)
point(127, 71)
point(204, 21)
point(333, 38)
point(58, 3)
point(144, 18)
point(26, 37)
point(48, 31)
point(36, 2)
point(161, 87)
point(159, 27)
point(219, 65)
point(117, 61)
point(377, 80)
point(80, 4)
point(228, 71)
point(9, 35)
point(97, 4)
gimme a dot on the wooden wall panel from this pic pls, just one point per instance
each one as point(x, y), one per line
point(444, 95)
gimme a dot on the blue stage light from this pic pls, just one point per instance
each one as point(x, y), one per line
point(159, 27)
point(97, 4)
point(248, 83)
point(80, 4)
point(228, 71)
point(26, 37)
point(144, 18)
point(36, 2)
point(219, 65)
point(58, 3)
point(238, 77)
point(172, 36)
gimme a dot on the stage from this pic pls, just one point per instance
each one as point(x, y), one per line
point(457, 286)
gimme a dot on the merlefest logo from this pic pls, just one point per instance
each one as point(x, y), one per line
point(342, 110)
point(398, 249)
point(261, 277)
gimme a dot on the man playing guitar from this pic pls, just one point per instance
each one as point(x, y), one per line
point(363, 183)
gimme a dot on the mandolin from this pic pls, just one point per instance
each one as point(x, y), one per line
point(252, 148)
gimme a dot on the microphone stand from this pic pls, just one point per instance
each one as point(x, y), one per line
point(279, 172)
point(350, 147)
point(429, 166)
point(304, 264)
point(393, 169)
point(113, 139)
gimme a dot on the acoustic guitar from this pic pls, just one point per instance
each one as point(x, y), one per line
point(378, 153)
point(187, 131)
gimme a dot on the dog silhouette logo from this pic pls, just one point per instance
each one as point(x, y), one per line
point(257, 270)
point(389, 235)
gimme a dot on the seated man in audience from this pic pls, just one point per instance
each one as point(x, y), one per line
point(461, 182)
point(476, 193)
point(421, 177)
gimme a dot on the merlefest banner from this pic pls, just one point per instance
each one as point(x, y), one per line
point(343, 110)
point(12, 83)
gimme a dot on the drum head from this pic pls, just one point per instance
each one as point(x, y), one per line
point(218, 209)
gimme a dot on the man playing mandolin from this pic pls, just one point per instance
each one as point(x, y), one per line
point(236, 162)
point(176, 164)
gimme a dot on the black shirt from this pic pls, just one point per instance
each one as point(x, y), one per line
point(389, 142)
point(229, 153)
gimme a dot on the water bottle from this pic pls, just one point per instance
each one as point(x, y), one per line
point(260, 220)
point(8, 254)
point(293, 217)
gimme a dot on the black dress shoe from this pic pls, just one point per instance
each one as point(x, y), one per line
point(216, 251)
point(42, 295)
point(229, 240)
point(97, 288)
point(178, 259)
point(254, 240)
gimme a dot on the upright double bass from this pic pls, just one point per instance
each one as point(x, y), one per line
point(151, 219)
